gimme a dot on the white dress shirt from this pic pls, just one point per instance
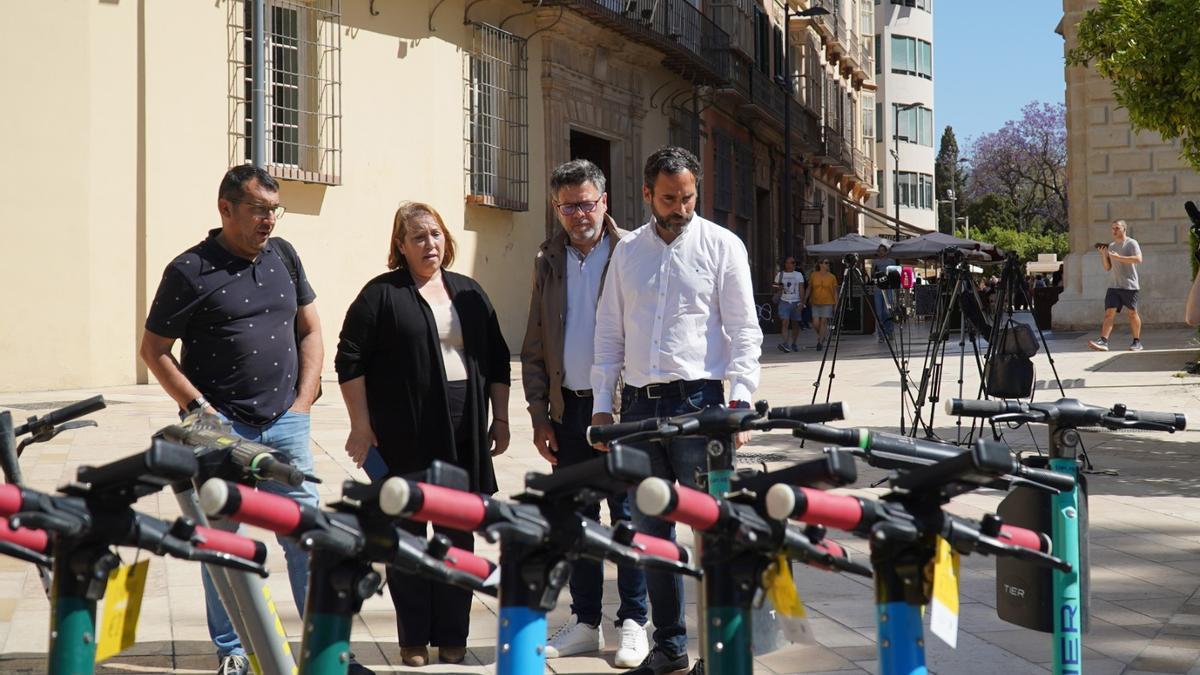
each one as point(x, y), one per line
point(678, 311)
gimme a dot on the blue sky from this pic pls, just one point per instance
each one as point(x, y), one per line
point(990, 59)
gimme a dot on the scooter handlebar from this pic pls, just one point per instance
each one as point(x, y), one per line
point(34, 540)
point(816, 412)
point(281, 515)
point(209, 539)
point(606, 433)
point(970, 408)
point(10, 499)
point(678, 503)
point(457, 509)
point(1025, 538)
point(660, 548)
point(63, 414)
point(469, 563)
point(816, 507)
point(1177, 421)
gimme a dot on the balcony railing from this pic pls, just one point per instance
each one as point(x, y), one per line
point(692, 44)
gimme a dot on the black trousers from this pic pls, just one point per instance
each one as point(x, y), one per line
point(430, 613)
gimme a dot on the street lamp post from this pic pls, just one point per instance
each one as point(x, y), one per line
point(896, 158)
point(788, 225)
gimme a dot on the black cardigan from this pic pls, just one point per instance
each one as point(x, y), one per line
point(389, 337)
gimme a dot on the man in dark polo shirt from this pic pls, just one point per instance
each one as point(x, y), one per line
point(251, 351)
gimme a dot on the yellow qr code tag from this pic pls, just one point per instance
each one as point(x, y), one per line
point(943, 613)
point(122, 606)
point(782, 590)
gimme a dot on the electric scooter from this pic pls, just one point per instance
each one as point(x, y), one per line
point(1062, 611)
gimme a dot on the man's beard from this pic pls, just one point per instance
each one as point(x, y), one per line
point(676, 227)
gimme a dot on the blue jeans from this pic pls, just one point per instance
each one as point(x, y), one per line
point(884, 300)
point(679, 459)
point(587, 576)
point(289, 435)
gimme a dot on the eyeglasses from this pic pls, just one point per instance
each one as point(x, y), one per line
point(262, 211)
point(575, 207)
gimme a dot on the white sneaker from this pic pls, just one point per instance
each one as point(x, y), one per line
point(634, 645)
point(234, 664)
point(574, 638)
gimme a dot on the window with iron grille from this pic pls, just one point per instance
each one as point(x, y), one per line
point(680, 128)
point(723, 172)
point(303, 88)
point(744, 191)
point(497, 128)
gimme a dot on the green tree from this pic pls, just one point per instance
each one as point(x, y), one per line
point(1148, 50)
point(948, 175)
point(1027, 245)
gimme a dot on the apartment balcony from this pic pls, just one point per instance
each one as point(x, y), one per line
point(692, 45)
point(864, 168)
point(730, 17)
point(836, 152)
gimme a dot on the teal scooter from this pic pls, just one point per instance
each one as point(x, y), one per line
point(1063, 610)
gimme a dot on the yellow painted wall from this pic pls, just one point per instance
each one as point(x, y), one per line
point(118, 145)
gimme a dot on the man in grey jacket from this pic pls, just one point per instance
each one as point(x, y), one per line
point(556, 360)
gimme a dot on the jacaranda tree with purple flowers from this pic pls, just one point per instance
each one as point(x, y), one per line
point(1022, 167)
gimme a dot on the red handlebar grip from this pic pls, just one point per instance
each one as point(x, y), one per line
point(677, 503)
point(660, 548)
point(839, 511)
point(263, 509)
point(230, 542)
point(34, 540)
point(450, 508)
point(10, 499)
point(832, 548)
point(465, 561)
point(1019, 536)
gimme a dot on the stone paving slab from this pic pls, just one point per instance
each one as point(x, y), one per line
point(1145, 525)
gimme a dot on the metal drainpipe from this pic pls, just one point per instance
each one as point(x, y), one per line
point(258, 96)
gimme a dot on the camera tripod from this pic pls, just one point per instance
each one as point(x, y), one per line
point(852, 277)
point(957, 291)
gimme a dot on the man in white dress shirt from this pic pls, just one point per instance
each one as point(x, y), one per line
point(676, 319)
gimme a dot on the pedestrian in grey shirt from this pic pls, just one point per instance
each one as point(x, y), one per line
point(1120, 258)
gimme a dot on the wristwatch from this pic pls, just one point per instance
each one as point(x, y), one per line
point(196, 404)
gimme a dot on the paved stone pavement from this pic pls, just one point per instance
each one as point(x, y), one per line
point(1145, 524)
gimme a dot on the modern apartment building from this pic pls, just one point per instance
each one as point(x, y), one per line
point(467, 105)
point(907, 141)
point(1114, 173)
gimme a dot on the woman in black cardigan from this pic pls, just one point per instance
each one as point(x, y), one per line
point(420, 359)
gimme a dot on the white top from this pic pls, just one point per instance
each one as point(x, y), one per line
point(584, 275)
point(683, 311)
point(450, 338)
point(791, 282)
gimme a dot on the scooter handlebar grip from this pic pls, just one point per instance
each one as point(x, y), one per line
point(605, 433)
point(276, 513)
point(267, 466)
point(70, 412)
point(660, 548)
point(435, 504)
point(817, 412)
point(678, 503)
point(465, 561)
point(1052, 479)
point(34, 540)
point(1177, 421)
point(1025, 538)
point(971, 408)
point(209, 539)
point(816, 507)
point(10, 499)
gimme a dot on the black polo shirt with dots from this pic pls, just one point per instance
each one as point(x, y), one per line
point(236, 320)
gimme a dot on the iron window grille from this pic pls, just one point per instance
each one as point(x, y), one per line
point(723, 170)
point(744, 192)
point(497, 128)
point(683, 129)
point(303, 88)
